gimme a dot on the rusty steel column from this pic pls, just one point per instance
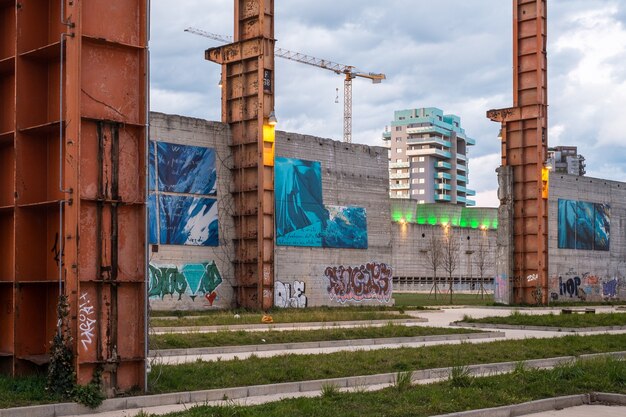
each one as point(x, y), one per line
point(73, 74)
point(524, 148)
point(247, 101)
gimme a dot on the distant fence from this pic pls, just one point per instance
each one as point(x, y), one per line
point(425, 284)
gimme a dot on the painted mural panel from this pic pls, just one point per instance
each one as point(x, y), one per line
point(587, 286)
point(197, 281)
point(186, 169)
point(153, 227)
point(372, 281)
point(583, 225)
point(186, 220)
point(346, 228)
point(300, 211)
point(302, 219)
point(151, 166)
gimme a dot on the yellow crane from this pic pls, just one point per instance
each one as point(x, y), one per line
point(349, 71)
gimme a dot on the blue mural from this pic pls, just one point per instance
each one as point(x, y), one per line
point(191, 280)
point(300, 213)
point(583, 225)
point(186, 169)
point(186, 220)
point(302, 219)
point(174, 216)
point(153, 234)
point(346, 228)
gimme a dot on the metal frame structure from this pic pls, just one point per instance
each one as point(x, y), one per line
point(349, 71)
point(74, 83)
point(247, 102)
point(524, 150)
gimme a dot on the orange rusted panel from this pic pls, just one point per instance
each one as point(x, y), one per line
point(524, 147)
point(247, 100)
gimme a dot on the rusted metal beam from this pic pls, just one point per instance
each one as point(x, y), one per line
point(524, 148)
point(247, 101)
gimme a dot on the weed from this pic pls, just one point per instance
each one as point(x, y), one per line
point(330, 390)
point(460, 377)
point(403, 381)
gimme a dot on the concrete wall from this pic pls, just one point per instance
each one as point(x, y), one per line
point(197, 132)
point(584, 274)
point(352, 175)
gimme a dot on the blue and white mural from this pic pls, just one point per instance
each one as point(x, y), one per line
point(302, 219)
point(182, 205)
point(583, 225)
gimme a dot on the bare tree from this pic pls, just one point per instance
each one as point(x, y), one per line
point(485, 260)
point(451, 257)
point(433, 258)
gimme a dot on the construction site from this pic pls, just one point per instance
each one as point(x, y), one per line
point(123, 214)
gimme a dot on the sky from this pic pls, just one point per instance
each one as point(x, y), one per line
point(452, 54)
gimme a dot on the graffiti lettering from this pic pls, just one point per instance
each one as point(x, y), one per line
point(189, 280)
point(284, 298)
point(58, 256)
point(501, 294)
point(532, 277)
point(372, 281)
point(570, 287)
point(609, 289)
point(87, 322)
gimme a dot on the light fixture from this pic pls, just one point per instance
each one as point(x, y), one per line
point(271, 120)
point(220, 83)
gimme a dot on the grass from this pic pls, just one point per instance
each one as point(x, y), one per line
point(407, 300)
point(289, 368)
point(555, 320)
point(320, 314)
point(17, 392)
point(441, 398)
point(242, 337)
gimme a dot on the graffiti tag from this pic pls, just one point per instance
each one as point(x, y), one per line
point(284, 298)
point(372, 281)
point(191, 280)
point(58, 254)
point(87, 322)
point(609, 288)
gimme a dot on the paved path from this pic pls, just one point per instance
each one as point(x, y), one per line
point(585, 411)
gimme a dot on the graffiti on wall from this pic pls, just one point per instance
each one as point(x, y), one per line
point(501, 290)
point(372, 281)
point(302, 219)
point(584, 225)
point(182, 207)
point(289, 295)
point(87, 322)
point(586, 287)
point(197, 281)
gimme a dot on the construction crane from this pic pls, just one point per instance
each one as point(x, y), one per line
point(349, 71)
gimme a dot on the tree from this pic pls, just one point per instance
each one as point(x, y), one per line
point(433, 258)
point(484, 261)
point(450, 257)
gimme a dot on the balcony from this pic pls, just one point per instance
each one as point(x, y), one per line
point(430, 152)
point(386, 136)
point(429, 141)
point(461, 189)
point(443, 187)
point(470, 203)
point(399, 186)
point(460, 167)
point(443, 197)
point(443, 176)
point(461, 178)
point(470, 193)
point(460, 157)
point(399, 197)
point(401, 176)
point(398, 165)
point(444, 165)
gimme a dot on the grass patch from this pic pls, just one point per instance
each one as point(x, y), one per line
point(202, 375)
point(17, 392)
point(420, 300)
point(327, 314)
point(555, 320)
point(242, 337)
point(441, 398)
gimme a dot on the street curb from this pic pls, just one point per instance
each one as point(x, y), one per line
point(547, 404)
point(538, 328)
point(236, 393)
point(321, 344)
point(295, 326)
point(168, 318)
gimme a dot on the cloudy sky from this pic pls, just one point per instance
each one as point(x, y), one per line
point(451, 54)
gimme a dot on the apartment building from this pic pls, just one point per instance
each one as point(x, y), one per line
point(428, 157)
point(566, 160)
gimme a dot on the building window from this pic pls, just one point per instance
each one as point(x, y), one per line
point(422, 192)
point(421, 202)
point(398, 150)
point(398, 139)
point(414, 181)
point(414, 192)
point(401, 118)
point(421, 170)
point(399, 160)
point(398, 128)
point(421, 159)
point(422, 180)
